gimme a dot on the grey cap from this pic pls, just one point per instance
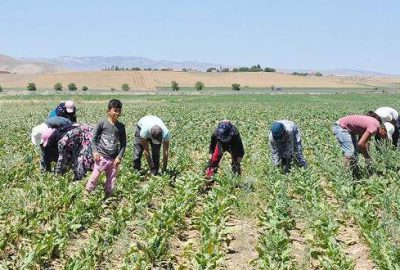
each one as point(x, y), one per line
point(156, 134)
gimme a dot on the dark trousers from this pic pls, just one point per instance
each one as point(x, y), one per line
point(219, 150)
point(47, 155)
point(395, 137)
point(138, 152)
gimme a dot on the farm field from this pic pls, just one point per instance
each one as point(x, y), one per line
point(319, 218)
point(151, 81)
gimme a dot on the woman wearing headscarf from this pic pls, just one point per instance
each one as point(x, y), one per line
point(72, 147)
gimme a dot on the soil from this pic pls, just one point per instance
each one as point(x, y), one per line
point(355, 248)
point(243, 236)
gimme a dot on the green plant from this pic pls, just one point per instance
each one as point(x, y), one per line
point(85, 88)
point(31, 87)
point(174, 86)
point(58, 86)
point(199, 85)
point(236, 86)
point(72, 87)
point(125, 87)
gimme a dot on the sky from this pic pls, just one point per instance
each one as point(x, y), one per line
point(307, 34)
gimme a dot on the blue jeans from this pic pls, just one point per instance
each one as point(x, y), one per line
point(347, 140)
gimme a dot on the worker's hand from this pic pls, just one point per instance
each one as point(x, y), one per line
point(96, 156)
point(117, 161)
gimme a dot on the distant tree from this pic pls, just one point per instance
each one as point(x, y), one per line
point(235, 70)
point(318, 74)
point(300, 74)
point(125, 87)
point(113, 89)
point(135, 68)
point(268, 69)
point(184, 69)
point(225, 70)
point(199, 86)
point(72, 87)
point(174, 86)
point(85, 88)
point(211, 69)
point(31, 87)
point(244, 69)
point(256, 68)
point(236, 86)
point(58, 86)
point(1, 89)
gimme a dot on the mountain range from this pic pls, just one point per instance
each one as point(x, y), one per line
point(91, 63)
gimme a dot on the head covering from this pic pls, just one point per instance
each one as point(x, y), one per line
point(277, 130)
point(156, 134)
point(46, 135)
point(69, 106)
point(389, 129)
point(36, 134)
point(224, 131)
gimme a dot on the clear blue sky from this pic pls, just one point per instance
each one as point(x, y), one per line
point(315, 34)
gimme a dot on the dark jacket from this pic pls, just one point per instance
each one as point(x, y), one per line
point(234, 145)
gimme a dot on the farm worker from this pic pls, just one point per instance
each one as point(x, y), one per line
point(108, 146)
point(55, 145)
point(65, 109)
point(151, 131)
point(285, 145)
point(390, 115)
point(346, 130)
point(225, 138)
point(36, 137)
point(53, 122)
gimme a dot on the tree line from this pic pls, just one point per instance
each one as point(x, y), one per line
point(255, 68)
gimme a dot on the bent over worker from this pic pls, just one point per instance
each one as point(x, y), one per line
point(151, 132)
point(346, 130)
point(390, 115)
point(285, 145)
point(225, 138)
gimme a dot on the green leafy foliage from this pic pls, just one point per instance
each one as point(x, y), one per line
point(72, 87)
point(179, 220)
point(174, 86)
point(31, 87)
point(199, 85)
point(58, 86)
point(125, 87)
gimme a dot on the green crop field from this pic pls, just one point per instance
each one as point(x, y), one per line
point(319, 218)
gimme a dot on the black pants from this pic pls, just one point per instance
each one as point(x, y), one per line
point(219, 150)
point(47, 155)
point(395, 137)
point(138, 152)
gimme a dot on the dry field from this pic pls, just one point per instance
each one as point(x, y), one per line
point(150, 80)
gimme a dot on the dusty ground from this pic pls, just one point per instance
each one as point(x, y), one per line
point(150, 80)
point(243, 241)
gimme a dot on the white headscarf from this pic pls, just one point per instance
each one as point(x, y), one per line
point(36, 135)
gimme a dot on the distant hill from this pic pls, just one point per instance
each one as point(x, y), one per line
point(95, 63)
point(13, 65)
point(338, 72)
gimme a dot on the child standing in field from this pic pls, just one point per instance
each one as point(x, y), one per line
point(108, 147)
